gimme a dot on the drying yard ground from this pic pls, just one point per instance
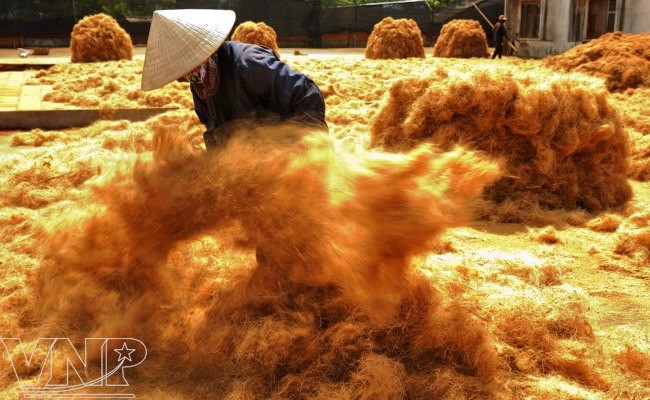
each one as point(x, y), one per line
point(104, 235)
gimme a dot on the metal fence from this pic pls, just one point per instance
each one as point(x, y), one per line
point(297, 22)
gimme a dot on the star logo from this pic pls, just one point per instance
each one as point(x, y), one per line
point(124, 352)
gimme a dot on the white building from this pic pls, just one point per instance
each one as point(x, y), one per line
point(547, 27)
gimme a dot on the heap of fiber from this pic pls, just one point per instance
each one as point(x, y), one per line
point(561, 143)
point(256, 33)
point(461, 38)
point(622, 59)
point(395, 38)
point(99, 38)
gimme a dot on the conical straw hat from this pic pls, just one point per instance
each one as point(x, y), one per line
point(179, 40)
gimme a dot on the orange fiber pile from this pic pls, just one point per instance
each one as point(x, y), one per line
point(461, 38)
point(337, 311)
point(559, 139)
point(622, 59)
point(256, 33)
point(99, 38)
point(395, 38)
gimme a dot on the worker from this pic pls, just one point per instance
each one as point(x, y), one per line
point(500, 33)
point(230, 81)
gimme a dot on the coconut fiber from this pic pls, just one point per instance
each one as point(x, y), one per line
point(395, 38)
point(559, 139)
point(333, 311)
point(256, 33)
point(622, 59)
point(69, 269)
point(99, 38)
point(461, 38)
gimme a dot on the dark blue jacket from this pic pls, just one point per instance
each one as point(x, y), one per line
point(254, 83)
point(500, 32)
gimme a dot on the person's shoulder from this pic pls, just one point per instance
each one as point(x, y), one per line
point(251, 55)
point(239, 49)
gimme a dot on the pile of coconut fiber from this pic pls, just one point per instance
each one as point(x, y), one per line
point(334, 311)
point(559, 140)
point(622, 59)
point(99, 38)
point(395, 38)
point(461, 38)
point(256, 33)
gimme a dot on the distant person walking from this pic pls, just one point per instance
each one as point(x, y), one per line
point(500, 33)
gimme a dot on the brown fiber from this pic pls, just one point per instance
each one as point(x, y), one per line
point(337, 307)
point(635, 361)
point(559, 139)
point(461, 38)
point(622, 59)
point(256, 33)
point(395, 38)
point(488, 310)
point(99, 38)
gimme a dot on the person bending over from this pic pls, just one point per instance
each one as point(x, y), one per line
point(230, 81)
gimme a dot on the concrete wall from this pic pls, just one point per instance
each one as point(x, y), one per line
point(559, 30)
point(636, 16)
point(541, 49)
point(556, 20)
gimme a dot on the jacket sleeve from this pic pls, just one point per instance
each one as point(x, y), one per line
point(200, 108)
point(213, 136)
point(293, 94)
